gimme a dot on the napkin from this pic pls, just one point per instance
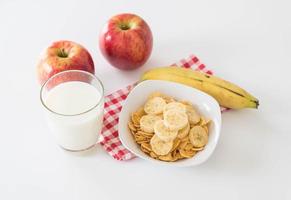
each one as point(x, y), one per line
point(113, 104)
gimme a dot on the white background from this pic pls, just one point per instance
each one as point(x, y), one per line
point(245, 41)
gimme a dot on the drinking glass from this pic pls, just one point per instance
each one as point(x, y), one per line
point(73, 101)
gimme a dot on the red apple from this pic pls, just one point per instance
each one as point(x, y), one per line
point(126, 41)
point(63, 55)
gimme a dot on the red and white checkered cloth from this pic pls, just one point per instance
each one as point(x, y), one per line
point(113, 103)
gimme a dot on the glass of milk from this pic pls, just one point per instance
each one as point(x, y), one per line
point(74, 105)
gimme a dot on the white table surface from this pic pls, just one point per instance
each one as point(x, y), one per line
point(247, 42)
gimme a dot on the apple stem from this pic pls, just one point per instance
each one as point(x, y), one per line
point(62, 53)
point(124, 26)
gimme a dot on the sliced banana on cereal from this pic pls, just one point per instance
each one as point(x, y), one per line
point(159, 146)
point(167, 98)
point(169, 129)
point(154, 106)
point(175, 120)
point(163, 132)
point(147, 123)
point(175, 105)
point(184, 131)
point(198, 136)
point(192, 114)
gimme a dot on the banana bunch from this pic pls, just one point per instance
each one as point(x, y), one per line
point(226, 93)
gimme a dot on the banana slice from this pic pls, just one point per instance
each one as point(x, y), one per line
point(198, 136)
point(147, 123)
point(184, 131)
point(163, 132)
point(175, 105)
point(175, 120)
point(193, 116)
point(159, 146)
point(167, 98)
point(154, 105)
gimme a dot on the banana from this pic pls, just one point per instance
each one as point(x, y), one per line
point(198, 136)
point(193, 116)
point(175, 105)
point(147, 122)
point(175, 120)
point(183, 132)
point(163, 132)
point(226, 93)
point(159, 146)
point(155, 105)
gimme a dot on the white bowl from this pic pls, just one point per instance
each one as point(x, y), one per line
point(206, 105)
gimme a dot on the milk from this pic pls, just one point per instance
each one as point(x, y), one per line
point(75, 116)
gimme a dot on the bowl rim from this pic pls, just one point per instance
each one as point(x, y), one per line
point(174, 164)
